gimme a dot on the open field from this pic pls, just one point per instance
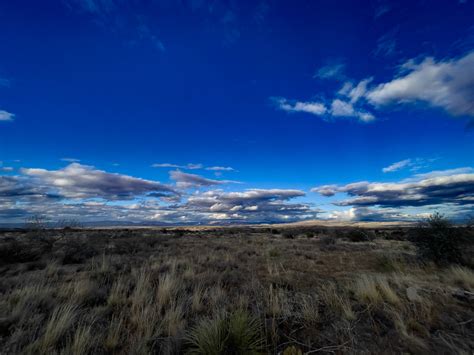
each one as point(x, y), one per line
point(291, 290)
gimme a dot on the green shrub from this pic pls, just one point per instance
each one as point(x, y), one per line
point(327, 240)
point(288, 235)
point(209, 336)
point(244, 334)
point(237, 333)
point(358, 235)
point(436, 239)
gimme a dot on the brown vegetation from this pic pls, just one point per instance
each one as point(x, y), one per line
point(229, 290)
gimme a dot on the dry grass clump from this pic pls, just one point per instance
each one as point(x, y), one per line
point(59, 323)
point(238, 291)
point(374, 290)
point(236, 333)
point(337, 301)
point(83, 340)
point(461, 276)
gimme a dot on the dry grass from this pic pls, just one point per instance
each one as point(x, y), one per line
point(241, 291)
point(461, 276)
point(61, 320)
point(337, 301)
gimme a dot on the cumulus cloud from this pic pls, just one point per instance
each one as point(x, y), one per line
point(254, 205)
point(314, 108)
point(12, 186)
point(423, 190)
point(6, 116)
point(448, 172)
point(94, 196)
point(357, 92)
point(370, 214)
point(83, 181)
point(185, 180)
point(446, 84)
point(341, 108)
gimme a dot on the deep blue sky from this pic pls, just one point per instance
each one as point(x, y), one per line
point(120, 85)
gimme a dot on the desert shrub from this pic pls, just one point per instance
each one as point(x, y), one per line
point(309, 234)
point(244, 334)
point(20, 250)
point(388, 263)
point(395, 235)
point(275, 231)
point(288, 235)
point(358, 235)
point(274, 252)
point(237, 333)
point(36, 223)
point(436, 239)
point(292, 350)
point(75, 251)
point(179, 233)
point(327, 240)
point(68, 224)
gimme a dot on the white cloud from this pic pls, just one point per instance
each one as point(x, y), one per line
point(251, 205)
point(6, 168)
point(346, 215)
point(315, 108)
point(189, 166)
point(446, 84)
point(414, 164)
point(220, 168)
point(192, 166)
point(359, 91)
point(166, 165)
point(185, 180)
point(341, 108)
point(455, 186)
point(70, 160)
point(331, 71)
point(397, 166)
point(82, 181)
point(448, 172)
point(365, 116)
point(82, 192)
point(6, 116)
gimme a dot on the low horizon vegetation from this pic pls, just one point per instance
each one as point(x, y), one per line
point(237, 290)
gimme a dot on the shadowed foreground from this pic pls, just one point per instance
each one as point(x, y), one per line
point(229, 290)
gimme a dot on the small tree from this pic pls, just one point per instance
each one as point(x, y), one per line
point(36, 223)
point(436, 239)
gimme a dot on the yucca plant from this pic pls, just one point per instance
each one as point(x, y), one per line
point(237, 333)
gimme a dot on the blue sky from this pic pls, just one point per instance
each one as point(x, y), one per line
point(104, 104)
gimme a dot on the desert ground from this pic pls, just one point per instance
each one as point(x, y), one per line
point(295, 289)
